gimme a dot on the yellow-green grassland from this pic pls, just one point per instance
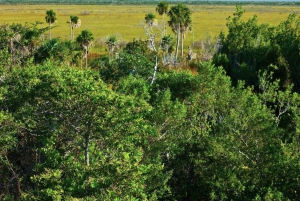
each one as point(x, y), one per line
point(125, 20)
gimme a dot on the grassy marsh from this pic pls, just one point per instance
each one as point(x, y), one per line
point(125, 20)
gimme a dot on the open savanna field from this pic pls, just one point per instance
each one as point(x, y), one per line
point(125, 20)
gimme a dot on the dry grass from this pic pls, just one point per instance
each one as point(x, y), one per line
point(105, 20)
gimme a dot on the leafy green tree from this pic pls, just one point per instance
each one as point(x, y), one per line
point(135, 59)
point(85, 39)
point(80, 139)
point(250, 47)
point(126, 64)
point(227, 146)
point(21, 41)
point(162, 8)
point(180, 22)
point(65, 52)
point(10, 178)
point(50, 19)
point(286, 41)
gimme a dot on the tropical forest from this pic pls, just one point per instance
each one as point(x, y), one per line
point(165, 115)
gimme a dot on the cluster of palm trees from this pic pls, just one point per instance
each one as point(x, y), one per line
point(74, 22)
point(180, 22)
point(84, 39)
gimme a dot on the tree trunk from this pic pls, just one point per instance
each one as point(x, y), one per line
point(86, 56)
point(177, 44)
point(165, 28)
point(71, 34)
point(182, 35)
point(50, 36)
point(154, 72)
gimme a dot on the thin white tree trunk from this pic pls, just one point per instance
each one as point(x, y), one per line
point(155, 69)
point(165, 28)
point(182, 35)
point(71, 34)
point(177, 44)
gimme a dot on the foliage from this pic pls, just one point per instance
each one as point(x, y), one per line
point(50, 17)
point(126, 64)
point(112, 41)
point(110, 133)
point(65, 52)
point(162, 8)
point(150, 18)
point(85, 38)
point(67, 117)
point(135, 59)
point(19, 42)
point(250, 47)
point(167, 43)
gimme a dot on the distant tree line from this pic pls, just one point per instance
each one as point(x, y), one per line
point(235, 2)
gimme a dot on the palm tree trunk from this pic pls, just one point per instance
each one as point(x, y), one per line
point(86, 57)
point(71, 34)
point(165, 28)
point(181, 45)
point(177, 44)
point(50, 36)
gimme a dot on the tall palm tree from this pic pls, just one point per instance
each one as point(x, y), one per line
point(162, 9)
point(111, 42)
point(185, 26)
point(75, 22)
point(150, 19)
point(180, 22)
point(50, 19)
point(85, 39)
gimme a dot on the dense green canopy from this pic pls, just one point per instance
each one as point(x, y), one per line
point(129, 127)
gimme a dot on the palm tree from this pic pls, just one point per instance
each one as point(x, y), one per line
point(180, 22)
point(111, 42)
point(150, 19)
point(167, 45)
point(50, 19)
point(75, 22)
point(85, 39)
point(162, 9)
point(185, 26)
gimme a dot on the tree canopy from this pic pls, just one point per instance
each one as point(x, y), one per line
point(131, 127)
